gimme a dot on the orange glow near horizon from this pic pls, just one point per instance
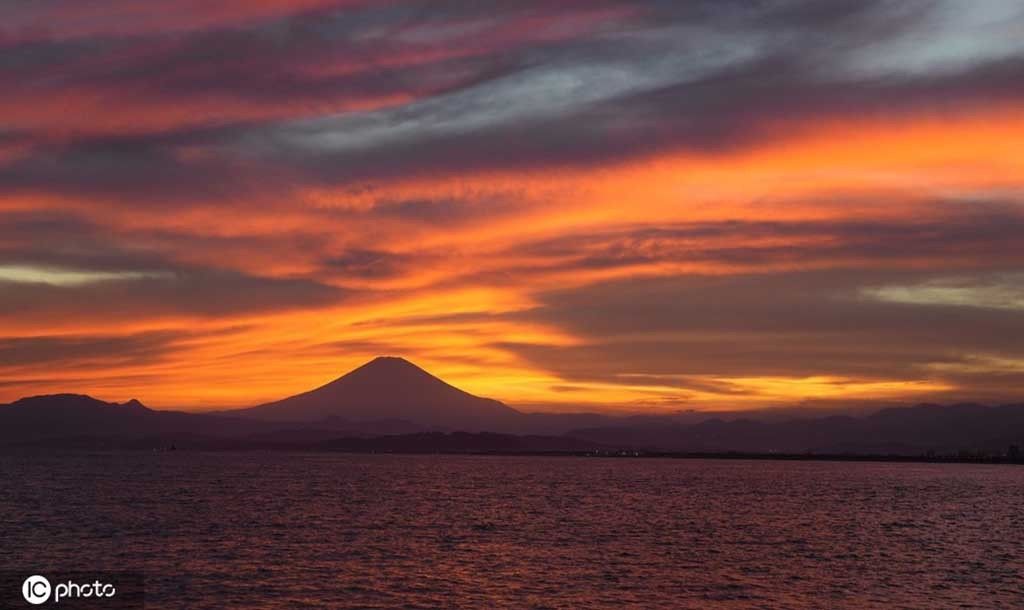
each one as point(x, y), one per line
point(248, 274)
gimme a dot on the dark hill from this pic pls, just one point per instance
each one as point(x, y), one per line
point(898, 431)
point(66, 419)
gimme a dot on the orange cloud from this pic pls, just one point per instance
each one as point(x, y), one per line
point(470, 175)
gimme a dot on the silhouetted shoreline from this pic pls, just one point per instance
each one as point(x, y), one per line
point(803, 457)
point(791, 457)
point(963, 433)
point(611, 454)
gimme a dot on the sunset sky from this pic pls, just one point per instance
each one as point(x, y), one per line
point(573, 205)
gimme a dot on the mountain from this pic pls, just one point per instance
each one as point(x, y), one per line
point(389, 388)
point(896, 431)
point(392, 405)
point(39, 416)
point(79, 420)
point(76, 421)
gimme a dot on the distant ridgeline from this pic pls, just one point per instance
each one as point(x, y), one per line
point(391, 405)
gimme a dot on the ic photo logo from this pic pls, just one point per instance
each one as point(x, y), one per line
point(37, 590)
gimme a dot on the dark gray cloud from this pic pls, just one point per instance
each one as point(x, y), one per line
point(706, 84)
point(787, 325)
point(703, 77)
point(91, 350)
point(368, 264)
point(966, 234)
point(449, 211)
point(197, 292)
point(136, 170)
point(63, 239)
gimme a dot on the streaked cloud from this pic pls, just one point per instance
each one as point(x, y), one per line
point(618, 205)
point(1000, 292)
point(944, 36)
point(71, 277)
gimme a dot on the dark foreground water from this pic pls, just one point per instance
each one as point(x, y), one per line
point(271, 530)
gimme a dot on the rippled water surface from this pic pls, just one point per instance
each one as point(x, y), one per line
point(272, 530)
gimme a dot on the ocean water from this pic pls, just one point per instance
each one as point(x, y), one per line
point(275, 530)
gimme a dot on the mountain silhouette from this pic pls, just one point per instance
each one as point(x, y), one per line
point(77, 421)
point(389, 388)
point(390, 404)
point(913, 430)
point(80, 420)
